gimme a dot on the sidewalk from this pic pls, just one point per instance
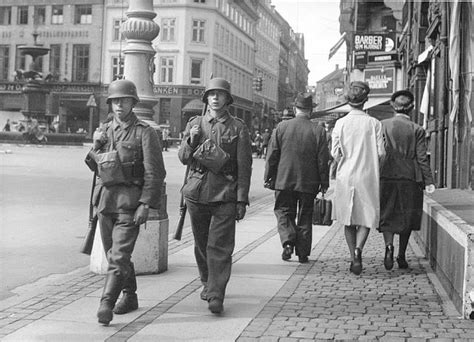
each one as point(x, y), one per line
point(267, 299)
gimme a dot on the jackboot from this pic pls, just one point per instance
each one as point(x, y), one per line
point(129, 300)
point(113, 286)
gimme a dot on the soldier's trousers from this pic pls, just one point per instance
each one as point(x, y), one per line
point(214, 241)
point(119, 234)
point(294, 213)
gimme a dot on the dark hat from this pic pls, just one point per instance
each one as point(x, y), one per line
point(304, 101)
point(358, 93)
point(402, 101)
point(404, 92)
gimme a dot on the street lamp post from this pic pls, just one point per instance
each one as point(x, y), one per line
point(139, 30)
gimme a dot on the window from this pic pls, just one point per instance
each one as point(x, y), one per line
point(57, 15)
point(20, 59)
point(166, 69)
point(22, 15)
point(165, 111)
point(80, 63)
point(4, 60)
point(196, 71)
point(55, 59)
point(83, 14)
point(117, 24)
point(198, 31)
point(5, 15)
point(200, 1)
point(117, 67)
point(167, 29)
point(40, 15)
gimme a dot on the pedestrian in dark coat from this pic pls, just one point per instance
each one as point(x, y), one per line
point(405, 172)
point(216, 199)
point(297, 169)
point(122, 206)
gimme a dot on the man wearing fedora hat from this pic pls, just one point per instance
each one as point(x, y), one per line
point(297, 169)
point(357, 147)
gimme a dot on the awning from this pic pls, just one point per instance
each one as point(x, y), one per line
point(338, 45)
point(344, 108)
point(195, 105)
point(376, 101)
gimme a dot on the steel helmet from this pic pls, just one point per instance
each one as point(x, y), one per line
point(122, 88)
point(218, 84)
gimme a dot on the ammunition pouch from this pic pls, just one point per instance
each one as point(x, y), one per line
point(211, 156)
point(109, 168)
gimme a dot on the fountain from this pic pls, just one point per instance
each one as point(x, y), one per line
point(34, 90)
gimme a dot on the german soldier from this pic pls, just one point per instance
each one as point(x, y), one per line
point(216, 198)
point(123, 205)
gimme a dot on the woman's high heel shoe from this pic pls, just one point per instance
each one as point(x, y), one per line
point(357, 264)
point(388, 260)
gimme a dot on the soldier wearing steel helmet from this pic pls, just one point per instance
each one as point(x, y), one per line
point(216, 199)
point(124, 206)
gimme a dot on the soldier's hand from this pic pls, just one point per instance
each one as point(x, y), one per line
point(240, 211)
point(194, 134)
point(141, 215)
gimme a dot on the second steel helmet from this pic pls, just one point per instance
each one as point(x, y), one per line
point(122, 88)
point(218, 84)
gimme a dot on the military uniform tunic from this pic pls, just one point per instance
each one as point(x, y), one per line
point(142, 162)
point(211, 197)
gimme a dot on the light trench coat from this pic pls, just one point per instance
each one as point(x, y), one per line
point(358, 147)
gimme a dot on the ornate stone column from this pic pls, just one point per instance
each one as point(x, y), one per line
point(139, 67)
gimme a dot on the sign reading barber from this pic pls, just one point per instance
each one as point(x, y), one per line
point(369, 42)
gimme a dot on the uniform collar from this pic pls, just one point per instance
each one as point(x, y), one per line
point(222, 119)
point(358, 112)
point(124, 125)
point(403, 116)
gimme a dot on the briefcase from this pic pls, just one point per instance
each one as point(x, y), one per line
point(322, 212)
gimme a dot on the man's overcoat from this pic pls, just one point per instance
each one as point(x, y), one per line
point(357, 146)
point(297, 157)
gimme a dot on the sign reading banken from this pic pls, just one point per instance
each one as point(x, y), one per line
point(369, 42)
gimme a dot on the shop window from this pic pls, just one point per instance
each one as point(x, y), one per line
point(57, 15)
point(5, 15)
point(196, 71)
point(168, 27)
point(165, 111)
point(80, 63)
point(83, 14)
point(4, 61)
point(117, 67)
point(198, 31)
point(55, 60)
point(40, 15)
point(22, 15)
point(166, 69)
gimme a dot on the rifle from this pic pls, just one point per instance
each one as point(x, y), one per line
point(86, 247)
point(182, 212)
point(182, 204)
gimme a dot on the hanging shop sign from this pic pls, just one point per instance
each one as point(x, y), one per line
point(360, 59)
point(380, 80)
point(369, 42)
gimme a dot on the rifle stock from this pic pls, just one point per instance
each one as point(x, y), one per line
point(88, 242)
point(182, 214)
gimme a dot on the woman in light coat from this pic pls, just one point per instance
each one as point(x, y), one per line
point(357, 147)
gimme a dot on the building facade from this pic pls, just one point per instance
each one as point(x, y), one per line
point(72, 30)
point(237, 40)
